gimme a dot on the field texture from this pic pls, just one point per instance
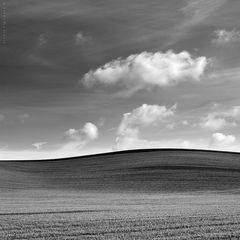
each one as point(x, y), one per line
point(153, 194)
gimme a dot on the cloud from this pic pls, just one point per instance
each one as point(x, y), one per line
point(83, 135)
point(195, 12)
point(81, 39)
point(148, 70)
point(70, 149)
point(39, 145)
point(90, 130)
point(219, 139)
point(35, 56)
point(223, 37)
point(75, 140)
point(218, 120)
point(135, 126)
point(139, 118)
point(213, 123)
point(137, 143)
point(226, 74)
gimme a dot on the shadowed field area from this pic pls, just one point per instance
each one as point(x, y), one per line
point(147, 194)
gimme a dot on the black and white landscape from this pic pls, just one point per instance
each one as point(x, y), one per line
point(119, 119)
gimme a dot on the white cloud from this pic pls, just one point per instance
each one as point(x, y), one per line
point(148, 70)
point(213, 123)
point(144, 116)
point(221, 140)
point(195, 12)
point(133, 131)
point(198, 10)
point(234, 112)
point(133, 122)
point(39, 145)
point(76, 139)
point(90, 130)
point(137, 143)
point(70, 149)
point(81, 39)
point(35, 57)
point(218, 120)
point(83, 135)
point(225, 74)
point(224, 37)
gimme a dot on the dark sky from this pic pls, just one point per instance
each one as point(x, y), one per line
point(88, 76)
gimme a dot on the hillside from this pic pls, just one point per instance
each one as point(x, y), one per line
point(144, 194)
point(159, 171)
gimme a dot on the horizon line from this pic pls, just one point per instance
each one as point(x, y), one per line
point(121, 152)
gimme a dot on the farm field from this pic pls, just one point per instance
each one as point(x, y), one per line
point(153, 194)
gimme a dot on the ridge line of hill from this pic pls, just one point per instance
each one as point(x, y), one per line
point(126, 152)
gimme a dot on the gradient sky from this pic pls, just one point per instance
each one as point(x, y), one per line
point(89, 76)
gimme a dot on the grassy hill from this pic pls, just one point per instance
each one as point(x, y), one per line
point(165, 170)
point(144, 194)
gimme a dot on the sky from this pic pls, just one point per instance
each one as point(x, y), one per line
point(82, 77)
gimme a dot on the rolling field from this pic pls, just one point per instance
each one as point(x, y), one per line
point(146, 194)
